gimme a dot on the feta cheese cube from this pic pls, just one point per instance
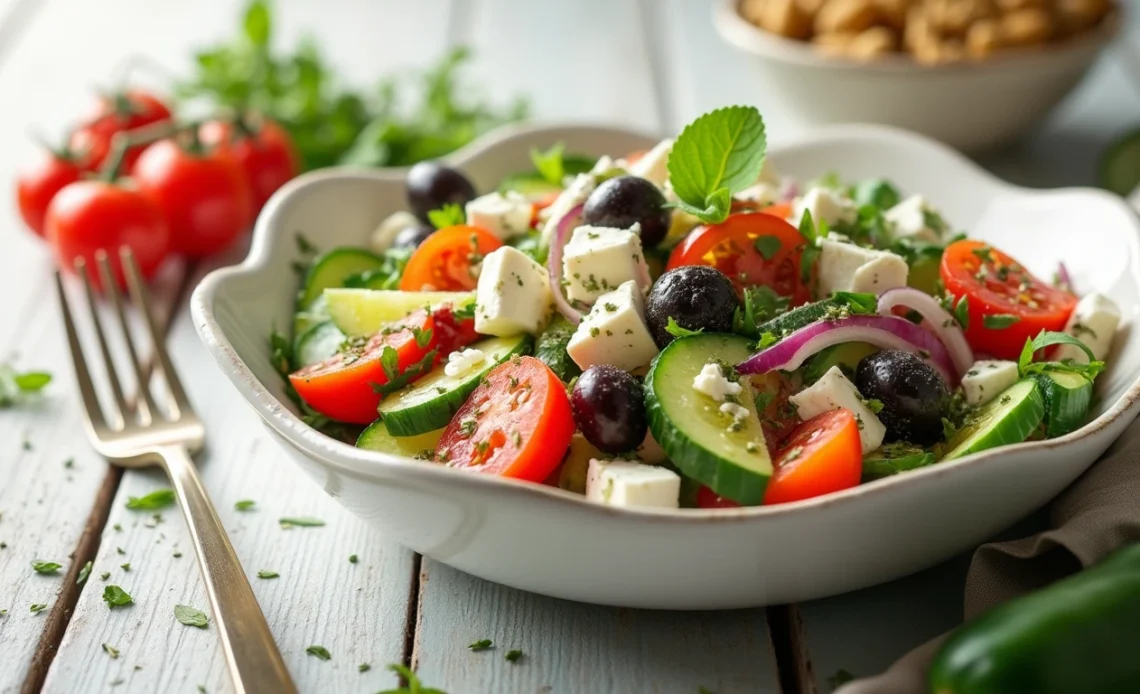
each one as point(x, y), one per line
point(832, 392)
point(914, 218)
point(712, 382)
point(512, 296)
point(652, 165)
point(846, 267)
point(463, 361)
point(825, 205)
point(382, 237)
point(1093, 322)
point(761, 194)
point(600, 259)
point(614, 332)
point(628, 483)
point(574, 194)
point(987, 378)
point(502, 215)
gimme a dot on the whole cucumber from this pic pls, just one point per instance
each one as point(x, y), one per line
point(1078, 636)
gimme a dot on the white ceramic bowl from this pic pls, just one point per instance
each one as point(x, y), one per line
point(545, 540)
point(970, 106)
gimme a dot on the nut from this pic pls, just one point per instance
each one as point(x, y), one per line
point(787, 18)
point(845, 16)
point(983, 39)
point(836, 43)
point(954, 17)
point(1080, 15)
point(752, 10)
point(893, 12)
point(874, 42)
point(1026, 27)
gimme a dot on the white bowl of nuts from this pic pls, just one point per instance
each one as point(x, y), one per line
point(971, 73)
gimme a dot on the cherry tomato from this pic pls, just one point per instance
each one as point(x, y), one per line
point(446, 260)
point(204, 197)
point(1001, 293)
point(341, 387)
point(523, 423)
point(731, 247)
point(38, 183)
point(87, 216)
point(113, 114)
point(266, 155)
point(820, 456)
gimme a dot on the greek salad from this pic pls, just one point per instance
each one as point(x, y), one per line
point(684, 327)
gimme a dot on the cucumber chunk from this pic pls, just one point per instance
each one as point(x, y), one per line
point(551, 349)
point(1067, 399)
point(331, 269)
point(377, 438)
point(317, 312)
point(363, 312)
point(702, 441)
point(892, 459)
point(1009, 418)
point(430, 402)
point(316, 344)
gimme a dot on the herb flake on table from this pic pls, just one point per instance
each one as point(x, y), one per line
point(115, 596)
point(352, 559)
point(111, 651)
point(159, 498)
point(300, 522)
point(125, 567)
point(37, 608)
point(84, 573)
point(481, 645)
point(105, 575)
point(245, 505)
point(513, 655)
point(15, 386)
point(46, 567)
point(363, 667)
point(319, 651)
point(190, 616)
point(267, 574)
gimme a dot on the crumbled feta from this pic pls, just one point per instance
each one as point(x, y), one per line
point(463, 361)
point(600, 259)
point(825, 205)
point(735, 411)
point(914, 218)
point(652, 165)
point(512, 296)
point(987, 378)
point(574, 194)
point(1093, 322)
point(502, 215)
point(628, 483)
point(832, 392)
point(761, 194)
point(712, 382)
point(382, 237)
point(605, 165)
point(614, 332)
point(846, 267)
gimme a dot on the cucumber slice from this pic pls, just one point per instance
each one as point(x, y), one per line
point(802, 316)
point(892, 459)
point(316, 344)
point(331, 269)
point(1120, 164)
point(846, 356)
point(551, 349)
point(430, 402)
point(697, 437)
point(1009, 418)
point(363, 312)
point(317, 312)
point(377, 438)
point(1067, 399)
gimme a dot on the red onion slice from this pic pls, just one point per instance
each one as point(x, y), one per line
point(1065, 278)
point(566, 225)
point(887, 332)
point(938, 321)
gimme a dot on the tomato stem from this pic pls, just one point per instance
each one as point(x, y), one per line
point(122, 142)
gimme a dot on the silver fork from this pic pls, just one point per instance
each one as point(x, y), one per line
point(136, 434)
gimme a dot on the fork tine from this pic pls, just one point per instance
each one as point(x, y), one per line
point(82, 375)
point(142, 301)
point(148, 412)
point(122, 411)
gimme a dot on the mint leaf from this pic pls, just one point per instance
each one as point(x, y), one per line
point(1047, 338)
point(244, 504)
point(31, 381)
point(480, 645)
point(160, 498)
point(46, 567)
point(513, 655)
point(319, 651)
point(859, 303)
point(398, 381)
point(111, 651)
point(674, 329)
point(84, 573)
point(1000, 321)
point(449, 215)
point(962, 312)
point(549, 163)
point(768, 246)
point(190, 616)
point(37, 607)
point(718, 154)
point(115, 596)
point(301, 522)
point(267, 574)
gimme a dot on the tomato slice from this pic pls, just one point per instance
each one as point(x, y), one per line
point(707, 498)
point(820, 456)
point(446, 260)
point(522, 423)
point(452, 333)
point(340, 387)
point(731, 247)
point(996, 286)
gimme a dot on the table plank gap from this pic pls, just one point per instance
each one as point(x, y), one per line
point(782, 624)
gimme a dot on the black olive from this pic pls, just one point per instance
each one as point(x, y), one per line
point(627, 200)
point(432, 185)
point(914, 396)
point(696, 297)
point(609, 408)
point(412, 235)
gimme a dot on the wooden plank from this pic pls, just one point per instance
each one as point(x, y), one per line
point(572, 647)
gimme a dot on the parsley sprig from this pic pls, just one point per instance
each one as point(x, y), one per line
point(1026, 366)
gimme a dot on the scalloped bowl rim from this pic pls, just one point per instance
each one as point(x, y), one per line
point(380, 465)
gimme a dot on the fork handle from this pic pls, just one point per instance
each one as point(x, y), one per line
point(251, 653)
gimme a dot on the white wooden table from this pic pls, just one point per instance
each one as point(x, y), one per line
point(651, 64)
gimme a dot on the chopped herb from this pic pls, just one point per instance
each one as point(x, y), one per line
point(811, 234)
point(111, 651)
point(363, 667)
point(46, 567)
point(352, 559)
point(190, 616)
point(985, 253)
point(104, 576)
point(267, 574)
point(304, 246)
point(875, 405)
point(677, 331)
point(319, 651)
point(423, 337)
point(177, 554)
point(513, 656)
point(549, 164)
point(70, 462)
point(301, 522)
point(115, 596)
point(962, 312)
point(245, 505)
point(16, 386)
point(389, 361)
point(37, 608)
point(125, 567)
point(768, 246)
point(84, 573)
point(450, 215)
point(118, 527)
point(761, 304)
point(480, 645)
point(160, 498)
point(1000, 321)
point(467, 426)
